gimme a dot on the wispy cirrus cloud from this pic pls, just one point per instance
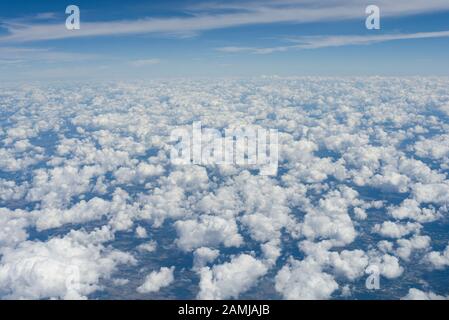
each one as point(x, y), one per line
point(20, 54)
point(208, 17)
point(144, 62)
point(316, 42)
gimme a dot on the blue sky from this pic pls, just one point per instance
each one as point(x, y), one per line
point(153, 39)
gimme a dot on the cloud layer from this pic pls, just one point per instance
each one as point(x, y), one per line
point(91, 205)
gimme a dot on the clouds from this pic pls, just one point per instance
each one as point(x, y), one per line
point(228, 280)
point(208, 231)
point(64, 268)
point(330, 220)
point(346, 263)
point(435, 148)
point(252, 13)
point(317, 42)
point(410, 209)
point(438, 260)
point(304, 280)
point(433, 193)
point(416, 294)
point(14, 227)
point(83, 211)
point(141, 232)
point(203, 255)
point(407, 246)
point(9, 190)
point(144, 62)
point(57, 186)
point(45, 55)
point(86, 182)
point(394, 230)
point(157, 280)
point(388, 265)
point(37, 49)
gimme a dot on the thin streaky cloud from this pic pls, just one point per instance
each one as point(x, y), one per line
point(144, 62)
point(253, 14)
point(42, 54)
point(317, 42)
